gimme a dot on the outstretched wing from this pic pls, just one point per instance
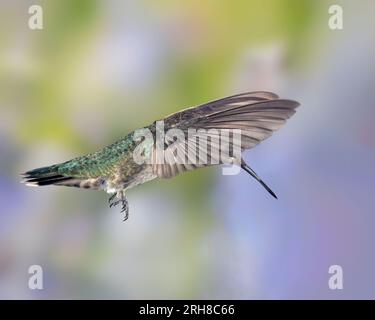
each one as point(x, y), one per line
point(256, 114)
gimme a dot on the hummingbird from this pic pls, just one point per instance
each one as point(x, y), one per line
point(252, 117)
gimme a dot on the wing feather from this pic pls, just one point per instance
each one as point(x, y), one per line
point(256, 114)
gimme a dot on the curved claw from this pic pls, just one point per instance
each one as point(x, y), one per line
point(111, 197)
point(114, 204)
point(120, 198)
point(125, 208)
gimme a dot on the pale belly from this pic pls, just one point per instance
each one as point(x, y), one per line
point(118, 185)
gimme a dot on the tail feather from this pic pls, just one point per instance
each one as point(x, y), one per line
point(51, 175)
point(44, 176)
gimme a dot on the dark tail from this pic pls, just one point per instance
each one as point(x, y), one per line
point(44, 176)
point(254, 175)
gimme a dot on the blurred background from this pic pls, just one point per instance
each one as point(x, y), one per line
point(100, 69)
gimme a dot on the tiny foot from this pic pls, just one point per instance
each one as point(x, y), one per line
point(118, 198)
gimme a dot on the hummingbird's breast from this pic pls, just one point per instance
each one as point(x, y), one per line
point(126, 179)
point(127, 172)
